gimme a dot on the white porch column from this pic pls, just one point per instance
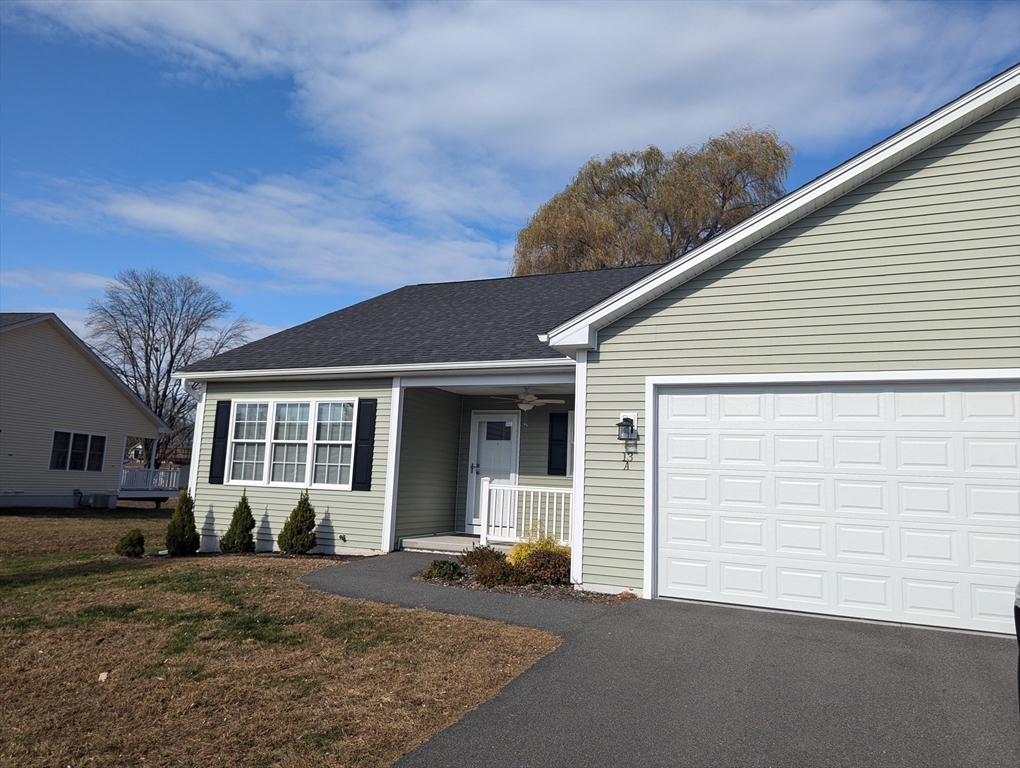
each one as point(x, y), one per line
point(392, 466)
point(197, 390)
point(577, 501)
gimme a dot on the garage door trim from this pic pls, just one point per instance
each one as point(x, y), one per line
point(654, 383)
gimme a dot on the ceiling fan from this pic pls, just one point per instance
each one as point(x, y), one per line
point(526, 401)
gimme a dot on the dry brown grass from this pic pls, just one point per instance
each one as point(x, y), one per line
point(228, 660)
point(27, 532)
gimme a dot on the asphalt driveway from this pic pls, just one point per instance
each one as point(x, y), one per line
point(662, 683)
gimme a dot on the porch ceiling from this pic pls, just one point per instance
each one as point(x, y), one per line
point(497, 389)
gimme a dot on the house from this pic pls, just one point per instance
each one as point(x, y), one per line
point(816, 411)
point(65, 419)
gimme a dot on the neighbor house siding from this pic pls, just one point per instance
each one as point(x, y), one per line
point(429, 454)
point(47, 384)
point(918, 269)
point(534, 449)
point(345, 519)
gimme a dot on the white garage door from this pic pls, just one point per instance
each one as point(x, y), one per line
point(890, 502)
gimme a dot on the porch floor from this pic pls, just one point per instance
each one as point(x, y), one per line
point(444, 542)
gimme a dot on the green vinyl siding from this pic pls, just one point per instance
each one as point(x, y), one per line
point(346, 520)
point(429, 455)
point(917, 269)
point(534, 448)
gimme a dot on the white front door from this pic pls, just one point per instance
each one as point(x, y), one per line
point(493, 454)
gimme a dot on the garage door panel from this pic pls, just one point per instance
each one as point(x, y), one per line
point(897, 503)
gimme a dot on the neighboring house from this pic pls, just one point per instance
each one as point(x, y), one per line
point(65, 418)
point(825, 400)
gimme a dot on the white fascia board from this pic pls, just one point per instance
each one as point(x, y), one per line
point(839, 377)
point(384, 371)
point(103, 368)
point(912, 140)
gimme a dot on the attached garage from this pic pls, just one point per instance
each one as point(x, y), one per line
point(895, 501)
point(826, 396)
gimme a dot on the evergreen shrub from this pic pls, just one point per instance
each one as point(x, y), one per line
point(182, 537)
point(298, 534)
point(238, 537)
point(442, 569)
point(131, 544)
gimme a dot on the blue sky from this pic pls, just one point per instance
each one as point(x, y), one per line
point(300, 157)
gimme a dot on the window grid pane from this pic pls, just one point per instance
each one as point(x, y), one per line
point(289, 461)
point(335, 422)
point(61, 450)
point(291, 421)
point(250, 421)
point(248, 461)
point(332, 464)
point(97, 450)
point(79, 450)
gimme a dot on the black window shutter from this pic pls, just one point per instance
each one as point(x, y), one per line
point(558, 440)
point(364, 445)
point(221, 433)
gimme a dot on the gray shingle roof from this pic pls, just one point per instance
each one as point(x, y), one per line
point(15, 318)
point(434, 323)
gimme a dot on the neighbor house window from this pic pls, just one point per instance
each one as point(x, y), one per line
point(303, 443)
point(78, 452)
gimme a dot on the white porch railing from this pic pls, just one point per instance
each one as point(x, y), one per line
point(510, 512)
point(150, 479)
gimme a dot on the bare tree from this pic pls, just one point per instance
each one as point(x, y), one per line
point(149, 324)
point(649, 207)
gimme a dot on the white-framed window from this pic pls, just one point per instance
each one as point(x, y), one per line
point(294, 443)
point(77, 452)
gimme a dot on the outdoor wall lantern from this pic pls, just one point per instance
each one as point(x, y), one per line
point(626, 431)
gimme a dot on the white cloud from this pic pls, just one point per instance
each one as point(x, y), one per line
point(458, 119)
point(53, 282)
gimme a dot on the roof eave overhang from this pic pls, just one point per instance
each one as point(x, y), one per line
point(482, 367)
point(581, 332)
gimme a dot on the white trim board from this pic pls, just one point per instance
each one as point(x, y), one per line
point(581, 331)
point(577, 500)
point(468, 368)
point(392, 465)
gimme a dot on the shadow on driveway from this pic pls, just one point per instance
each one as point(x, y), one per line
point(662, 683)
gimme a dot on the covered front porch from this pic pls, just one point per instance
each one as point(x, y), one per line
point(483, 462)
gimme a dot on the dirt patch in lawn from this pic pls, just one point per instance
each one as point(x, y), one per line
point(44, 531)
point(229, 661)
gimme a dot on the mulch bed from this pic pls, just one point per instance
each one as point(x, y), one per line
point(565, 592)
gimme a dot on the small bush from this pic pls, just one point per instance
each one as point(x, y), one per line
point(498, 573)
point(477, 556)
point(442, 569)
point(298, 534)
point(238, 537)
point(536, 542)
point(181, 535)
point(131, 544)
point(547, 567)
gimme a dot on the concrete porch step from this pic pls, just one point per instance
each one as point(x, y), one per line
point(446, 543)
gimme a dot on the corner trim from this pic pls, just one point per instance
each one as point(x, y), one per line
point(580, 449)
point(392, 465)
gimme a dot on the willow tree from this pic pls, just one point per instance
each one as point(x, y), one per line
point(651, 207)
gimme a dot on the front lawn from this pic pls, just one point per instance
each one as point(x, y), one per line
point(219, 660)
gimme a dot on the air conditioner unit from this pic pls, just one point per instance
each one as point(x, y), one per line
point(100, 501)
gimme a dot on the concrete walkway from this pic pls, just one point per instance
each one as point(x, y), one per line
point(662, 683)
